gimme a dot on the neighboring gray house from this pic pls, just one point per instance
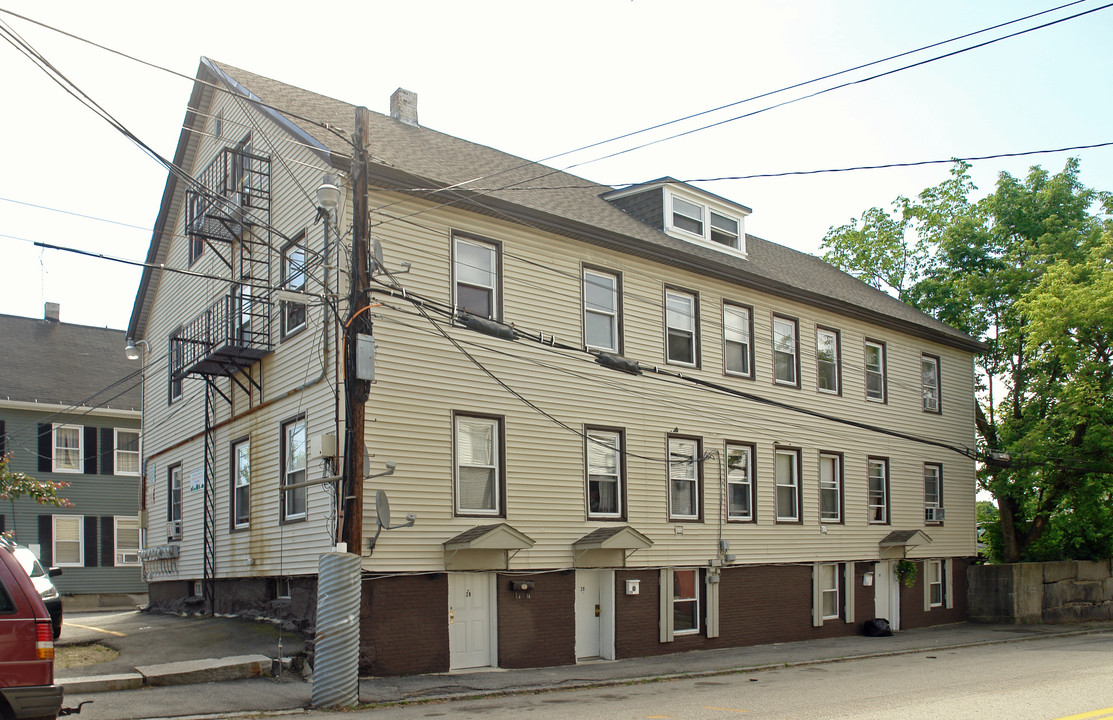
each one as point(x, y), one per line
point(70, 412)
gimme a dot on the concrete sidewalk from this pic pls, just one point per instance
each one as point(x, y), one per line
point(703, 663)
point(193, 666)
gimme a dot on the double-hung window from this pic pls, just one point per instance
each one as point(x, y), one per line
point(475, 267)
point(294, 469)
point(681, 327)
point(827, 360)
point(785, 351)
point(929, 383)
point(934, 582)
point(875, 371)
point(829, 591)
point(740, 483)
point(126, 540)
point(604, 473)
point(724, 230)
point(878, 490)
point(241, 484)
point(126, 452)
point(293, 279)
point(687, 216)
point(787, 478)
point(174, 502)
point(933, 494)
point(696, 220)
point(67, 448)
point(684, 475)
point(685, 602)
point(478, 465)
point(737, 349)
point(69, 540)
point(601, 311)
point(830, 487)
point(175, 352)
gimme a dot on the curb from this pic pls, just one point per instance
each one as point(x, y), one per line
point(236, 667)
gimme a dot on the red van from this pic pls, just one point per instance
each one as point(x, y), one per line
point(27, 688)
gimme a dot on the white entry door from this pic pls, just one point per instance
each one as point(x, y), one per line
point(470, 609)
point(886, 593)
point(589, 612)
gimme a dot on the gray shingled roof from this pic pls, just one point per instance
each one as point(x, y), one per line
point(406, 157)
point(59, 363)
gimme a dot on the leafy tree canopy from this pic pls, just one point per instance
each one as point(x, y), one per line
point(1027, 270)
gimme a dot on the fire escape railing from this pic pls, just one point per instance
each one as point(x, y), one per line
point(230, 335)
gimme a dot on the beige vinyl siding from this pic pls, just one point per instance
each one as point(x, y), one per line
point(424, 377)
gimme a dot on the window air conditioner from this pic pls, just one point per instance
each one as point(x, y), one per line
point(127, 558)
point(174, 530)
point(933, 514)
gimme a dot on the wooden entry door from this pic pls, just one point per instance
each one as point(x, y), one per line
point(470, 613)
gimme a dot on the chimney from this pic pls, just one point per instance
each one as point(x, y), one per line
point(403, 106)
point(51, 311)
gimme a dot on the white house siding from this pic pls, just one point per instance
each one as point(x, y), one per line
point(423, 378)
point(175, 431)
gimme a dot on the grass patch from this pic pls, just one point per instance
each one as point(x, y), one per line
point(71, 656)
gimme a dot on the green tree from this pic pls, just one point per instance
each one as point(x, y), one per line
point(15, 485)
point(1025, 270)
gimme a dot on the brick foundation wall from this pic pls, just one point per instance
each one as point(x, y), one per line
point(758, 605)
point(912, 613)
point(538, 628)
point(404, 625)
point(246, 597)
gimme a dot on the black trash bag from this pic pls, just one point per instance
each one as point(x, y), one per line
point(878, 627)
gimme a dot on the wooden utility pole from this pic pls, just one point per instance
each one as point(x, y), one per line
point(357, 323)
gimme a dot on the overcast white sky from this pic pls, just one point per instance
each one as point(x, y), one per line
point(536, 79)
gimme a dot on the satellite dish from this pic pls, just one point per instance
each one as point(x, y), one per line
point(382, 508)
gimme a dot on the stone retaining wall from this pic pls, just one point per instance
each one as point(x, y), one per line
point(1056, 592)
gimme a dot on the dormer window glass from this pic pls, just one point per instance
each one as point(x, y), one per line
point(687, 216)
point(690, 219)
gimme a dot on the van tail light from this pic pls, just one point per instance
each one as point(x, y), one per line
point(44, 640)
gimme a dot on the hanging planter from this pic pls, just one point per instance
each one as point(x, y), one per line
point(906, 573)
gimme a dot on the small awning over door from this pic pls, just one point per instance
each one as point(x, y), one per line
point(894, 546)
point(484, 547)
point(609, 546)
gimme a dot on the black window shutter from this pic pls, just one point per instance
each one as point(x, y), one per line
point(46, 447)
point(3, 441)
point(107, 451)
point(1, 523)
point(90, 540)
point(46, 540)
point(90, 451)
point(107, 541)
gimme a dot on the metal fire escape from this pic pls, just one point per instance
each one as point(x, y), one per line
point(228, 210)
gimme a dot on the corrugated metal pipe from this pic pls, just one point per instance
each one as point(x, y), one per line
point(336, 658)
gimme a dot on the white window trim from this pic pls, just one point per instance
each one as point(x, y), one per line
point(795, 325)
point(287, 429)
point(795, 485)
point(696, 599)
point(834, 484)
point(496, 456)
point(880, 372)
point(80, 520)
point(613, 316)
point(693, 481)
point(826, 590)
point(138, 453)
point(236, 484)
point(80, 448)
point(838, 365)
point(612, 441)
point(298, 244)
point(937, 379)
point(870, 504)
point(938, 504)
point(174, 473)
point(748, 452)
point(929, 583)
point(747, 344)
point(704, 239)
point(125, 552)
point(670, 292)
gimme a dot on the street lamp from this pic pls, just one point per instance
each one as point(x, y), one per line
point(131, 351)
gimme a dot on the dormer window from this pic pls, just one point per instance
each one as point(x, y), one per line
point(692, 220)
point(687, 213)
